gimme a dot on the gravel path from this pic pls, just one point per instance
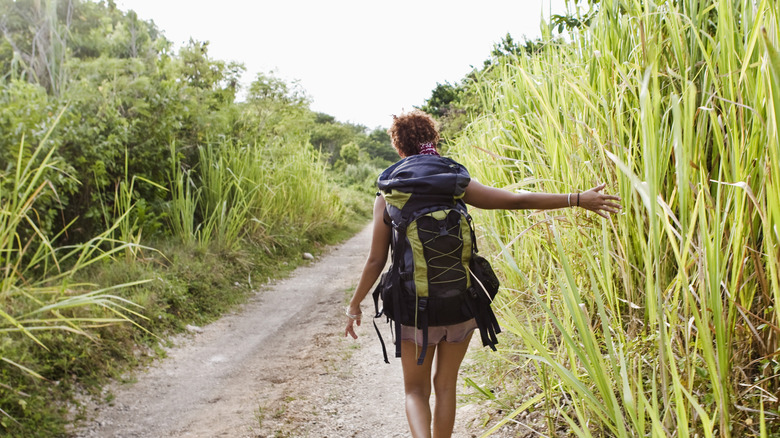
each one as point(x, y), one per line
point(279, 367)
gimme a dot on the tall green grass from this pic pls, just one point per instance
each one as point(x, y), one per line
point(37, 291)
point(274, 195)
point(663, 320)
point(253, 192)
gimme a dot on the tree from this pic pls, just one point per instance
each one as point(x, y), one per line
point(442, 99)
point(350, 153)
point(329, 135)
point(275, 108)
point(378, 147)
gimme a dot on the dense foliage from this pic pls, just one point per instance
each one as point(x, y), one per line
point(124, 159)
point(662, 321)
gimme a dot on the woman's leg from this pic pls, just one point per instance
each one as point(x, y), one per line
point(417, 386)
point(445, 383)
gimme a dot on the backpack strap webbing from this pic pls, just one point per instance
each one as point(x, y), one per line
point(378, 314)
point(397, 328)
point(422, 313)
point(485, 319)
point(488, 327)
point(397, 245)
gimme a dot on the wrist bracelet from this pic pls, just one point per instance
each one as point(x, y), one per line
point(578, 199)
point(569, 199)
point(351, 316)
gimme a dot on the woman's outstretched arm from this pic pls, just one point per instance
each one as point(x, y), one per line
point(491, 198)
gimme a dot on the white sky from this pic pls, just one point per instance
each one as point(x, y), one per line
point(358, 60)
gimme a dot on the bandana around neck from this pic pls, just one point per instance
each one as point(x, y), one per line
point(428, 149)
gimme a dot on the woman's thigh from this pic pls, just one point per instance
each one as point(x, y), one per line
point(449, 356)
point(417, 378)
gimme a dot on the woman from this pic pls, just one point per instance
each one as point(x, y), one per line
point(416, 133)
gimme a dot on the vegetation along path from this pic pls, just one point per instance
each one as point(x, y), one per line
point(278, 367)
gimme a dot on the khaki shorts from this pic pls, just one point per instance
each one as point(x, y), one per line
point(449, 333)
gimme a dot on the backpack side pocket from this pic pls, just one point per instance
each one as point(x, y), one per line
point(483, 290)
point(483, 274)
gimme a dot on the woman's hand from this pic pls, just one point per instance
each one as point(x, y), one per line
point(354, 316)
point(598, 202)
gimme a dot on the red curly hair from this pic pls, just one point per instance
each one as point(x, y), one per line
point(412, 129)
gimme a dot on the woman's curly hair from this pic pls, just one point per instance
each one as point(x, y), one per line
point(412, 129)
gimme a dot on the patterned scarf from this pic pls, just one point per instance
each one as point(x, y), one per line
point(428, 149)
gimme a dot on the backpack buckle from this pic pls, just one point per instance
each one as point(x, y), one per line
point(422, 304)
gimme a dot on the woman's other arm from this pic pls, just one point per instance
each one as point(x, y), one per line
point(377, 257)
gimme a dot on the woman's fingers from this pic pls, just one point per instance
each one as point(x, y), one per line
point(604, 202)
point(601, 187)
point(350, 330)
point(610, 207)
point(600, 204)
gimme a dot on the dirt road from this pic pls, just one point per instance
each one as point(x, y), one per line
point(279, 367)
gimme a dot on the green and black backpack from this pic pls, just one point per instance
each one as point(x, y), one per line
point(436, 277)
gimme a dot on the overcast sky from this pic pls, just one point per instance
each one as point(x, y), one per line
point(358, 60)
